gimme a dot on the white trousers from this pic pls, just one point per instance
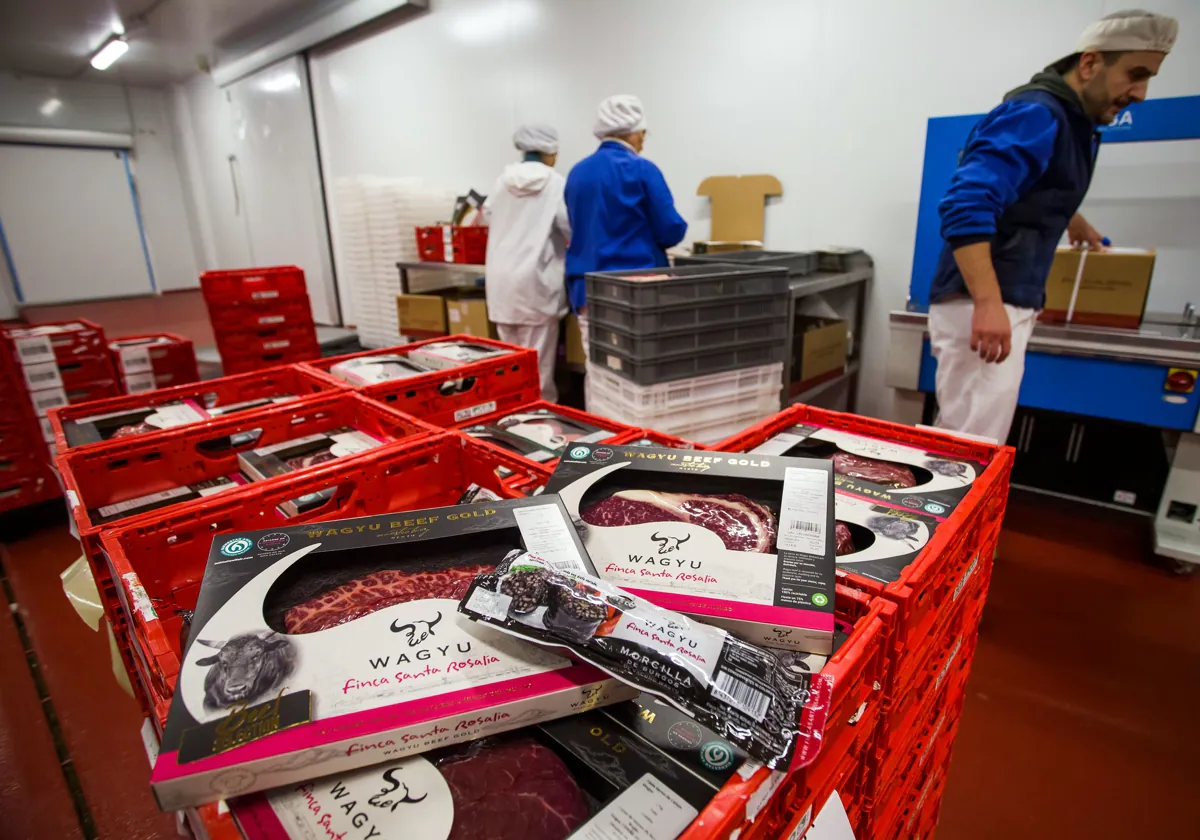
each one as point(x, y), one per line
point(975, 396)
point(544, 339)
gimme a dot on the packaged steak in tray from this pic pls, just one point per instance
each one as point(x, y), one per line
point(139, 421)
point(548, 430)
point(742, 542)
point(898, 475)
point(878, 541)
point(443, 355)
point(165, 498)
point(748, 694)
point(317, 649)
point(303, 453)
point(370, 370)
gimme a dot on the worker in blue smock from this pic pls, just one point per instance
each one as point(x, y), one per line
point(621, 210)
point(1024, 172)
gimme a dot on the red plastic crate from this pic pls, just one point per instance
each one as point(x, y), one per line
point(22, 491)
point(659, 439)
point(172, 359)
point(235, 363)
point(284, 340)
point(925, 585)
point(129, 468)
point(858, 670)
point(449, 397)
point(82, 371)
point(620, 431)
point(254, 285)
point(468, 244)
point(287, 380)
point(158, 563)
point(89, 392)
point(253, 316)
point(85, 338)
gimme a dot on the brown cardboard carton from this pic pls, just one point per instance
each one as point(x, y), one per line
point(1112, 291)
point(713, 246)
point(739, 205)
point(576, 354)
point(818, 350)
point(467, 315)
point(421, 316)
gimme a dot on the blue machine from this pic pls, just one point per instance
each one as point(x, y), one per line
point(1091, 372)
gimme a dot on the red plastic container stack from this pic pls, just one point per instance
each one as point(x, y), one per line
point(151, 361)
point(261, 317)
point(453, 243)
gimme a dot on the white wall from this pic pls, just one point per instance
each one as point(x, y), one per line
point(143, 113)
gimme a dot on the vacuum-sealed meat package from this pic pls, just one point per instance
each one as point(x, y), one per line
point(549, 430)
point(743, 692)
point(165, 498)
point(878, 541)
point(371, 370)
point(325, 647)
point(96, 428)
point(443, 355)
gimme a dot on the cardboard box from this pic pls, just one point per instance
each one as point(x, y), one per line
point(421, 316)
point(312, 698)
point(770, 586)
point(739, 205)
point(576, 352)
point(468, 315)
point(1112, 291)
point(818, 350)
point(713, 246)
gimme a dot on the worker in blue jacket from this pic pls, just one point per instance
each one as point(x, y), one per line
point(1024, 172)
point(621, 210)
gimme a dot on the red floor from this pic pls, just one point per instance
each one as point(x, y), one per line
point(1078, 724)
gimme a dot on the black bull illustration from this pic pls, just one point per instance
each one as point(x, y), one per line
point(245, 668)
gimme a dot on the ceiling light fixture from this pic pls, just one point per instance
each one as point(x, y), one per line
point(110, 52)
point(51, 106)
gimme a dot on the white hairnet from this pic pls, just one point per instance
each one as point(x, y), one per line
point(1132, 30)
point(620, 114)
point(536, 137)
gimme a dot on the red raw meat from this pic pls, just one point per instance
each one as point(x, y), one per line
point(873, 470)
point(375, 592)
point(843, 540)
point(742, 523)
point(513, 790)
point(134, 429)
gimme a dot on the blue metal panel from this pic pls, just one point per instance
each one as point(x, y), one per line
point(1130, 391)
point(1172, 118)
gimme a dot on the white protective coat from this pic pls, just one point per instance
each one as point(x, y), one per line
point(975, 396)
point(527, 245)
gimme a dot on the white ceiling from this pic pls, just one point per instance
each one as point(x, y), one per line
point(168, 39)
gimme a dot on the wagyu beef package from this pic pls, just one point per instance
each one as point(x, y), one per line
point(443, 355)
point(878, 541)
point(111, 425)
point(320, 648)
point(899, 475)
point(165, 498)
point(548, 430)
point(371, 370)
point(742, 542)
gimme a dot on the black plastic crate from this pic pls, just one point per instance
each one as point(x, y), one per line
point(657, 345)
point(649, 320)
point(685, 284)
point(797, 263)
point(693, 363)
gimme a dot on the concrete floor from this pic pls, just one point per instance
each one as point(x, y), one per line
point(1078, 722)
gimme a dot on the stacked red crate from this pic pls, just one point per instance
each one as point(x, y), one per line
point(261, 317)
point(151, 361)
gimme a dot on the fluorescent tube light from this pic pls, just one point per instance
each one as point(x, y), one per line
point(109, 53)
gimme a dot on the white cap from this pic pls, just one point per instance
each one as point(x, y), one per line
point(536, 137)
point(620, 114)
point(1131, 30)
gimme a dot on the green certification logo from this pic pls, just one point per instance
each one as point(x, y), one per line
point(820, 599)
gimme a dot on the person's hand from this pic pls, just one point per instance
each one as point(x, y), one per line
point(991, 332)
point(1080, 232)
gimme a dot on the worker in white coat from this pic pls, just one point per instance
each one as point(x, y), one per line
point(527, 246)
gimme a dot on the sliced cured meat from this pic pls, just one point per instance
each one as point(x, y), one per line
point(512, 790)
point(873, 470)
point(742, 523)
point(378, 591)
point(843, 539)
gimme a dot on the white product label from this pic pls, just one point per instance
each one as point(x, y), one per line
point(141, 601)
point(494, 605)
point(464, 414)
point(135, 360)
point(34, 349)
point(150, 742)
point(966, 577)
point(277, 345)
point(695, 646)
point(267, 320)
point(221, 411)
point(142, 501)
point(43, 401)
point(1125, 497)
point(454, 315)
point(946, 668)
point(268, 295)
point(139, 383)
point(228, 484)
point(287, 444)
point(548, 536)
point(831, 823)
point(47, 429)
point(749, 767)
point(407, 798)
point(42, 376)
point(802, 826)
point(351, 443)
point(804, 510)
point(176, 414)
point(646, 810)
point(613, 362)
point(757, 800)
point(779, 444)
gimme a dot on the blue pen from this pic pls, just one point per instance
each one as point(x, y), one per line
point(1106, 242)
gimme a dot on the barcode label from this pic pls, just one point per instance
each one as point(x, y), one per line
point(139, 383)
point(34, 349)
point(474, 411)
point(43, 401)
point(271, 319)
point(264, 295)
point(135, 360)
point(741, 695)
point(42, 376)
point(806, 527)
point(805, 508)
point(277, 345)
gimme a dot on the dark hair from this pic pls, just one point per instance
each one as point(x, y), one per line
point(1065, 65)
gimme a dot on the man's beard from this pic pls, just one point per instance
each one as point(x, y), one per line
point(1097, 103)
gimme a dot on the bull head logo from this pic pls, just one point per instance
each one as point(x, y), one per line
point(384, 798)
point(418, 631)
point(668, 544)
